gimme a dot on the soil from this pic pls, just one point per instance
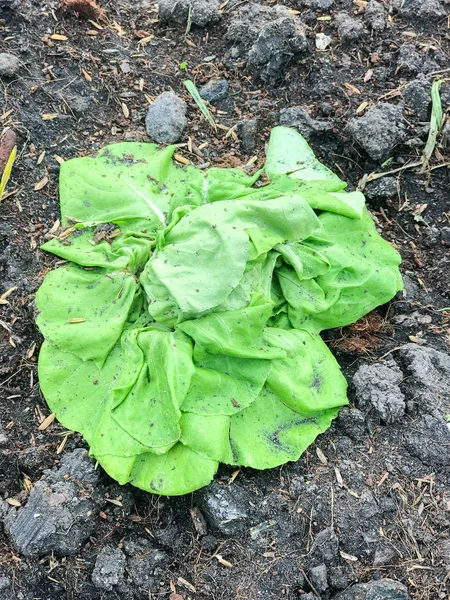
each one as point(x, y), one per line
point(376, 486)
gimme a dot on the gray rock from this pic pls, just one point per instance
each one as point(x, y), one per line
point(340, 576)
point(385, 555)
point(428, 374)
point(177, 11)
point(318, 576)
point(109, 568)
point(375, 15)
point(246, 131)
point(299, 119)
point(379, 130)
point(377, 389)
point(417, 97)
point(9, 64)
point(262, 532)
point(382, 589)
point(409, 60)
point(267, 37)
point(429, 442)
point(166, 118)
point(215, 90)
point(315, 4)
point(78, 465)
point(351, 422)
point(325, 547)
point(422, 11)
point(368, 507)
point(382, 189)
point(79, 105)
point(5, 583)
point(144, 562)
point(349, 29)
point(225, 508)
point(57, 518)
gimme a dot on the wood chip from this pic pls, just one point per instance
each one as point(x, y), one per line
point(41, 184)
point(76, 320)
point(47, 422)
point(338, 476)
point(186, 584)
point(6, 294)
point(40, 158)
point(348, 556)
point(362, 107)
point(59, 159)
point(49, 116)
point(180, 159)
point(59, 37)
point(224, 562)
point(62, 445)
point(352, 88)
point(321, 456)
point(125, 110)
point(86, 75)
point(13, 502)
point(113, 501)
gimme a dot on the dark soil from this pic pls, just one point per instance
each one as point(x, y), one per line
point(383, 488)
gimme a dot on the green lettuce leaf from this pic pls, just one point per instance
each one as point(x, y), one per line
point(184, 329)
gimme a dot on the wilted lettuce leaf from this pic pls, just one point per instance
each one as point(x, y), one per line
point(184, 330)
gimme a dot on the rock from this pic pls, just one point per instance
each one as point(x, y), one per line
point(340, 576)
point(377, 389)
point(428, 374)
point(315, 4)
point(351, 422)
point(5, 583)
point(368, 507)
point(214, 90)
point(375, 15)
point(78, 465)
point(225, 508)
point(325, 547)
point(379, 130)
point(177, 11)
point(349, 29)
point(144, 562)
point(445, 240)
point(382, 589)
point(422, 11)
point(299, 119)
point(409, 60)
point(318, 576)
point(417, 97)
point(385, 555)
point(9, 64)
point(246, 131)
point(262, 532)
point(57, 518)
point(166, 118)
point(109, 568)
point(267, 38)
point(79, 105)
point(429, 442)
point(382, 189)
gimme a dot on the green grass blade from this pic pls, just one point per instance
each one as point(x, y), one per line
point(435, 123)
point(190, 86)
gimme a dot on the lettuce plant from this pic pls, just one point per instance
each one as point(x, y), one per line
point(183, 330)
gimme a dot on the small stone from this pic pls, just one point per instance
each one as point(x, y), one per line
point(79, 105)
point(166, 118)
point(385, 555)
point(79, 466)
point(377, 389)
point(349, 29)
point(340, 576)
point(177, 11)
point(246, 131)
point(422, 11)
point(409, 60)
point(9, 64)
point(144, 562)
point(351, 422)
point(382, 189)
point(325, 547)
point(381, 589)
point(109, 568)
point(368, 507)
point(379, 130)
point(215, 90)
point(318, 576)
point(225, 508)
point(417, 97)
point(375, 15)
point(299, 119)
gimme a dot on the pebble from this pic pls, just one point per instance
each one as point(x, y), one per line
point(214, 90)
point(109, 568)
point(166, 118)
point(9, 64)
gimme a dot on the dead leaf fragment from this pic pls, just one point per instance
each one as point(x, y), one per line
point(7, 143)
point(321, 456)
point(86, 75)
point(41, 184)
point(224, 562)
point(76, 320)
point(348, 556)
point(47, 422)
point(125, 110)
point(49, 116)
point(13, 502)
point(186, 584)
point(59, 37)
